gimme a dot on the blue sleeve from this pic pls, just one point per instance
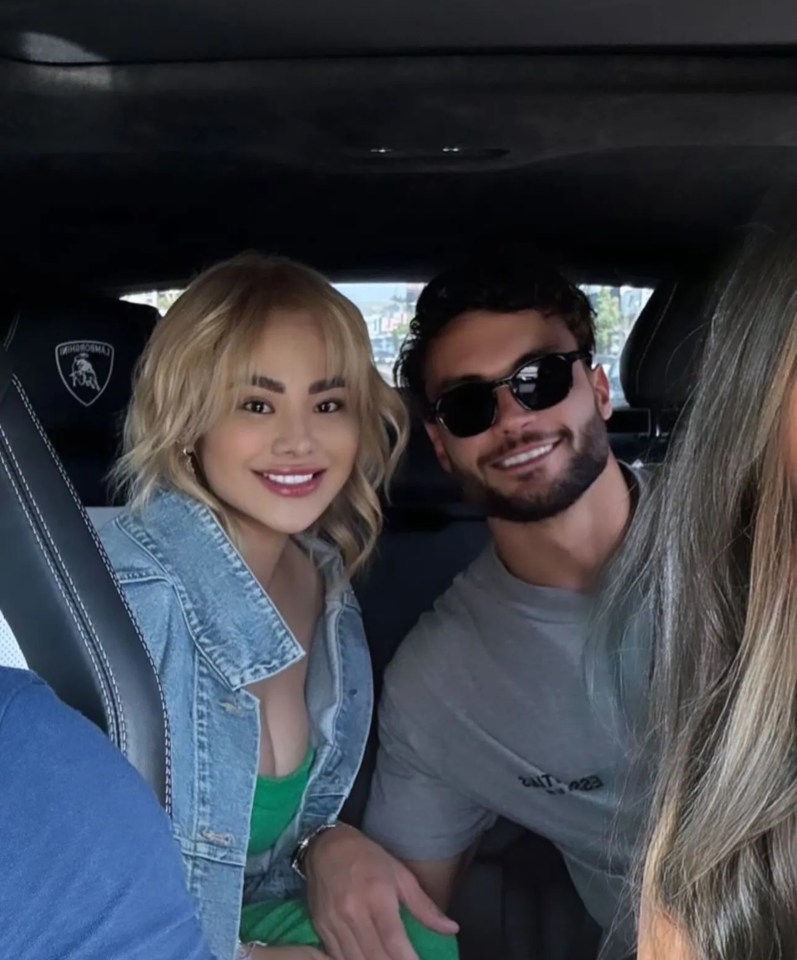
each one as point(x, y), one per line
point(90, 870)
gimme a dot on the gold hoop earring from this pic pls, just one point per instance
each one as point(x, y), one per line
point(188, 456)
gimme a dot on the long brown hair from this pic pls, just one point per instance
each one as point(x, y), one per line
point(712, 553)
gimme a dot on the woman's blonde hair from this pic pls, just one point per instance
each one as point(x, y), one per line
point(184, 384)
point(713, 554)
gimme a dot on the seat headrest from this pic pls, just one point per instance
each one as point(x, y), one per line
point(659, 362)
point(74, 355)
point(422, 492)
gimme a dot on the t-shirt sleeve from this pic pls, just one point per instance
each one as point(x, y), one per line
point(90, 868)
point(414, 809)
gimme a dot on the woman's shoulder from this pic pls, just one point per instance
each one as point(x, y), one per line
point(121, 540)
point(131, 542)
point(170, 533)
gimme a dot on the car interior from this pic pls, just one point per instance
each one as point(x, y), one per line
point(143, 142)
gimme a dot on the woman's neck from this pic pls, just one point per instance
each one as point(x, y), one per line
point(262, 549)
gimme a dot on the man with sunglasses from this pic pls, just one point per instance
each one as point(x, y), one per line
point(492, 706)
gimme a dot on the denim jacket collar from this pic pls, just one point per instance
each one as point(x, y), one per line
point(189, 543)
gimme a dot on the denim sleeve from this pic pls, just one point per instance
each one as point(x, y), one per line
point(90, 868)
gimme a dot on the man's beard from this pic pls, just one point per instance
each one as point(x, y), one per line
point(586, 465)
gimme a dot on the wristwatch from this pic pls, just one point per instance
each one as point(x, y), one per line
point(300, 852)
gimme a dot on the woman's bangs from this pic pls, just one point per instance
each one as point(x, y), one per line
point(237, 365)
point(347, 354)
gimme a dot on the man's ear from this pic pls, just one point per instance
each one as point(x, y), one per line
point(434, 432)
point(602, 390)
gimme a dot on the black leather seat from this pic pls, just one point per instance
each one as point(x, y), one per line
point(74, 354)
point(57, 591)
point(430, 535)
point(659, 362)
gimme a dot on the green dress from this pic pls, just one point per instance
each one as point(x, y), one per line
point(287, 922)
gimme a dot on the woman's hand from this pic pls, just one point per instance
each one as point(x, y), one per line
point(356, 889)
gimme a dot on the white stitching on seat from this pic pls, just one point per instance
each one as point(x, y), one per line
point(120, 592)
point(104, 557)
point(76, 594)
point(12, 330)
point(106, 699)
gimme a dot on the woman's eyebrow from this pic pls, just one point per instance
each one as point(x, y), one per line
point(331, 383)
point(267, 383)
point(276, 386)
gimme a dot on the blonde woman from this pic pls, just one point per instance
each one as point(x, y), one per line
point(257, 439)
point(713, 552)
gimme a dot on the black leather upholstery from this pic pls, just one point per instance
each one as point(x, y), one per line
point(430, 535)
point(61, 600)
point(74, 354)
point(659, 361)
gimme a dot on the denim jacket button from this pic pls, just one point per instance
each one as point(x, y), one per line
point(233, 708)
point(221, 839)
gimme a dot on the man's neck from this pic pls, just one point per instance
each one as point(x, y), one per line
point(571, 550)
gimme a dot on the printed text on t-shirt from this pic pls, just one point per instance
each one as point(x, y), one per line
point(555, 787)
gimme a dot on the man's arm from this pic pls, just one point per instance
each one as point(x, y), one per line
point(439, 878)
point(90, 867)
point(358, 883)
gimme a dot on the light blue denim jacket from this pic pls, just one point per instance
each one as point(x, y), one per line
point(213, 631)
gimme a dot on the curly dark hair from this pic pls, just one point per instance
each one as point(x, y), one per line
point(503, 285)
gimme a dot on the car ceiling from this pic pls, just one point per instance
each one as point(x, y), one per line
point(143, 140)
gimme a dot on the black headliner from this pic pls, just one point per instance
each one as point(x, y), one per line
point(127, 173)
point(160, 30)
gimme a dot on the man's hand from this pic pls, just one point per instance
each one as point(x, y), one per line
point(355, 890)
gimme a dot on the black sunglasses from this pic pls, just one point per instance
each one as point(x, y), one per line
point(538, 383)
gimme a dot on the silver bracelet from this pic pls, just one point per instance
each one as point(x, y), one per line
point(301, 850)
point(245, 950)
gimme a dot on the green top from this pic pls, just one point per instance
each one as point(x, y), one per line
point(277, 801)
point(287, 923)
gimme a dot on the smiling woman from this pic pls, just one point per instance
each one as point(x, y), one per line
point(258, 438)
point(213, 342)
point(295, 428)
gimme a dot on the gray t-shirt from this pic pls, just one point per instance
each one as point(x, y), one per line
point(498, 704)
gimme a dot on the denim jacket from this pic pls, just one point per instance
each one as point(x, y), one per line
point(212, 631)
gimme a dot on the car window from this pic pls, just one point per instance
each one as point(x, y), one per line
point(388, 308)
point(616, 312)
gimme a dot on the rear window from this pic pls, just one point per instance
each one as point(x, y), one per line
point(388, 308)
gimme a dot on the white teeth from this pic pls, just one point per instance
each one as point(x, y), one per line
point(289, 480)
point(527, 456)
